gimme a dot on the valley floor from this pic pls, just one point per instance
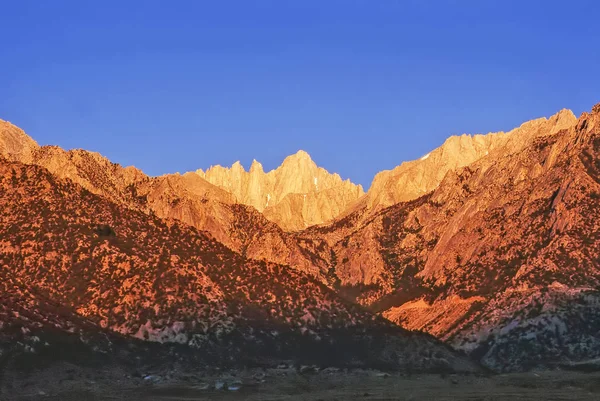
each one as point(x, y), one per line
point(288, 385)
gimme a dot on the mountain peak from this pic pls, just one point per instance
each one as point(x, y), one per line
point(256, 167)
point(237, 166)
point(302, 154)
point(563, 119)
point(565, 113)
point(296, 194)
point(299, 158)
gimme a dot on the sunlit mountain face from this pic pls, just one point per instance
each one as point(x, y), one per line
point(482, 254)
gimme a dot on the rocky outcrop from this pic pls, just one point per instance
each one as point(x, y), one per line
point(295, 195)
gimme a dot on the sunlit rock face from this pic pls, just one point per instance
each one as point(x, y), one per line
point(412, 179)
point(295, 195)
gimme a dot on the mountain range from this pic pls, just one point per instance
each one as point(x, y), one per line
point(484, 252)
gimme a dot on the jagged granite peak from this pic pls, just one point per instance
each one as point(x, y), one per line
point(295, 195)
point(256, 167)
point(237, 167)
point(299, 158)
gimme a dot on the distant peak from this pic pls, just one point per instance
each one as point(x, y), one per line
point(302, 154)
point(564, 114)
point(298, 156)
point(237, 166)
point(300, 159)
point(256, 167)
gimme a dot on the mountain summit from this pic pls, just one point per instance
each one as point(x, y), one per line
point(295, 195)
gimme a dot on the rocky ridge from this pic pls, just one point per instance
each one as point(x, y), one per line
point(413, 179)
point(186, 197)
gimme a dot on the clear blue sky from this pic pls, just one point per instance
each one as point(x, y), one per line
point(361, 85)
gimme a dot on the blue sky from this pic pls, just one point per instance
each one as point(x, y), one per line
point(361, 85)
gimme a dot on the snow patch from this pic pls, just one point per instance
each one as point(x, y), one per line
point(268, 199)
point(425, 157)
point(316, 181)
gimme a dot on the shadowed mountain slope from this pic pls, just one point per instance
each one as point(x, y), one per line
point(140, 276)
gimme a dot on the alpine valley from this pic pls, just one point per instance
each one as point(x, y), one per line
point(483, 255)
